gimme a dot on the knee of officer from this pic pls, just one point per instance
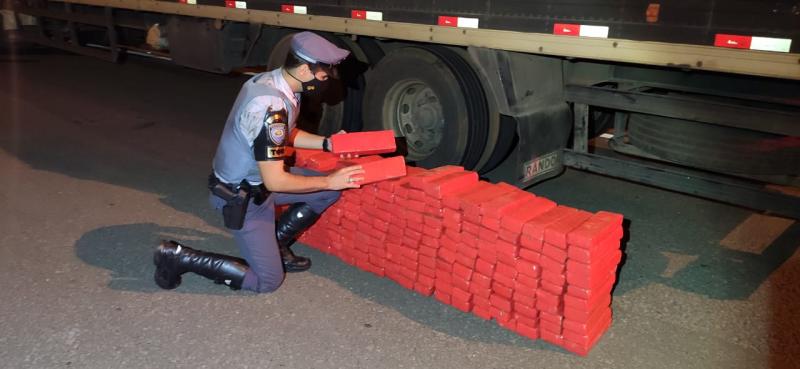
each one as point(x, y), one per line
point(331, 197)
point(269, 285)
point(323, 200)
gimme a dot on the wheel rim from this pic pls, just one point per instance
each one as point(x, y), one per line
point(415, 112)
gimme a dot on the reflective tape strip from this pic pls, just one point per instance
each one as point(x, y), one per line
point(594, 31)
point(447, 21)
point(232, 4)
point(467, 22)
point(771, 44)
point(365, 14)
point(753, 43)
point(460, 22)
point(296, 9)
point(580, 30)
point(567, 29)
point(190, 2)
point(732, 41)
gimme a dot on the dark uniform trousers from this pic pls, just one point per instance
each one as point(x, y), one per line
point(256, 240)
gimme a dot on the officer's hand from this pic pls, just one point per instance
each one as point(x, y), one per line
point(345, 156)
point(348, 177)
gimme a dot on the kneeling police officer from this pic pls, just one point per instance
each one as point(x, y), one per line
point(249, 178)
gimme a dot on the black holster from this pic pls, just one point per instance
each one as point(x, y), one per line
point(236, 201)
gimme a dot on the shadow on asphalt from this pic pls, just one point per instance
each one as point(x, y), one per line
point(127, 252)
point(425, 310)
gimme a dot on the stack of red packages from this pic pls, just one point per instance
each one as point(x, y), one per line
point(316, 160)
point(541, 270)
point(592, 257)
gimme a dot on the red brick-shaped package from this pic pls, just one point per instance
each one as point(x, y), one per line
point(536, 226)
point(498, 207)
point(582, 343)
point(556, 233)
point(322, 162)
point(301, 156)
point(383, 169)
point(515, 218)
point(357, 160)
point(364, 143)
point(597, 318)
point(450, 183)
point(598, 251)
point(471, 204)
point(595, 229)
point(419, 181)
point(594, 292)
point(453, 200)
point(392, 185)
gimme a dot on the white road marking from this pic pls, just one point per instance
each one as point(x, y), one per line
point(676, 262)
point(756, 233)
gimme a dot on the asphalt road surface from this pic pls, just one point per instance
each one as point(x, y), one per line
point(99, 161)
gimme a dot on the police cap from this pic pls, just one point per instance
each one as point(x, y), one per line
point(314, 49)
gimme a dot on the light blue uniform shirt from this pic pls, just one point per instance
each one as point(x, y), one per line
point(235, 160)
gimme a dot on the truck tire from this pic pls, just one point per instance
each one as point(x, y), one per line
point(430, 96)
point(717, 148)
point(371, 50)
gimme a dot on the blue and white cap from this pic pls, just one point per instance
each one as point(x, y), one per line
point(313, 48)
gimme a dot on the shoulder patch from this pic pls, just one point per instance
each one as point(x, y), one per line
point(277, 133)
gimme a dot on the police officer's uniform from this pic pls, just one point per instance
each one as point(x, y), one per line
point(257, 129)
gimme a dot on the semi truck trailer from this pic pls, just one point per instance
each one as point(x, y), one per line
point(700, 97)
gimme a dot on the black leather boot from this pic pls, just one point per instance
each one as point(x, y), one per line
point(292, 222)
point(173, 259)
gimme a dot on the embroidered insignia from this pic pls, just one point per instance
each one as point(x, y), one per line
point(277, 133)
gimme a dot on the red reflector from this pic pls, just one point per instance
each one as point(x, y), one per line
point(287, 8)
point(732, 41)
point(567, 29)
point(358, 14)
point(448, 21)
point(230, 3)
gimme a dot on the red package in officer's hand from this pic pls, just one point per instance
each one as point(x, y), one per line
point(364, 143)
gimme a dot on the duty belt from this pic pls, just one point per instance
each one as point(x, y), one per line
point(259, 193)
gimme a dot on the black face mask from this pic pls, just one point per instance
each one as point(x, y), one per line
point(314, 86)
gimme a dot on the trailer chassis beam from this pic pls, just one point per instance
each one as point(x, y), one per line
point(721, 188)
point(680, 56)
point(770, 118)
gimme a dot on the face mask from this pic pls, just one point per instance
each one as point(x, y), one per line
point(313, 86)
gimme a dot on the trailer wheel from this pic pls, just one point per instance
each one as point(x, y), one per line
point(430, 96)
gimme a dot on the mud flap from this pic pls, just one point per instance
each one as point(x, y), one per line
point(542, 136)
